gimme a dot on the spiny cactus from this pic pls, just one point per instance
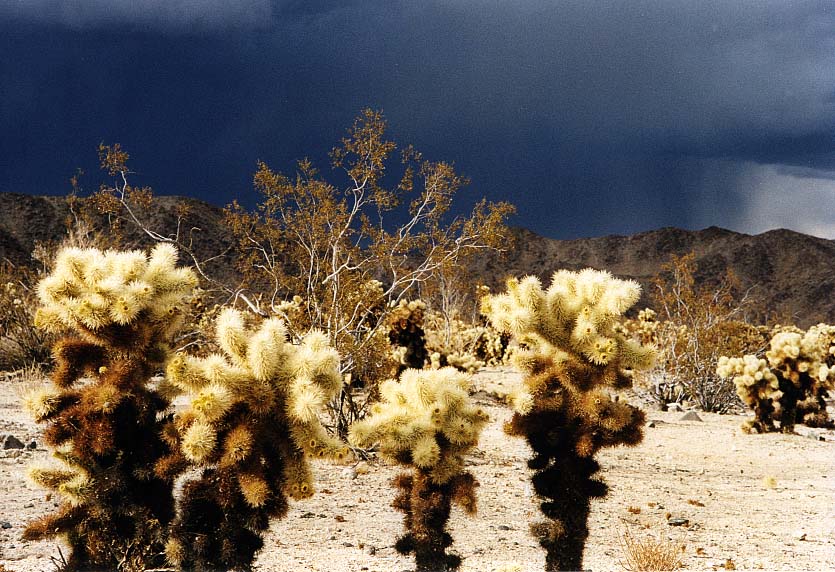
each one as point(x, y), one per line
point(119, 309)
point(251, 425)
point(563, 409)
point(406, 334)
point(791, 385)
point(426, 421)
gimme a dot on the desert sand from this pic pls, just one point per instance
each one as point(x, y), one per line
point(751, 502)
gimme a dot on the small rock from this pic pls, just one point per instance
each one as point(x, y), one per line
point(347, 544)
point(11, 442)
point(673, 407)
point(5, 525)
point(800, 535)
point(651, 424)
point(362, 468)
point(504, 527)
point(678, 521)
point(30, 505)
point(691, 416)
point(339, 518)
point(372, 550)
point(307, 515)
point(32, 445)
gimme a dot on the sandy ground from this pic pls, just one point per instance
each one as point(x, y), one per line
point(759, 502)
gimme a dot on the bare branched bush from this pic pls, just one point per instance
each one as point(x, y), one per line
point(698, 324)
point(648, 554)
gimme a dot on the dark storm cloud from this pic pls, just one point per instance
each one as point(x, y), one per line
point(165, 14)
point(593, 117)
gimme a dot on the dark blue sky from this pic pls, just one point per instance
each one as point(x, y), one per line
point(593, 117)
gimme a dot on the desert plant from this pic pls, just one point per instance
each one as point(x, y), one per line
point(648, 554)
point(116, 311)
point(467, 347)
point(22, 344)
point(791, 383)
point(406, 334)
point(251, 425)
point(328, 241)
point(564, 411)
point(698, 323)
point(426, 421)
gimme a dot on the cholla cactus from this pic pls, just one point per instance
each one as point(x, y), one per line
point(756, 385)
point(563, 409)
point(406, 334)
point(426, 421)
point(644, 327)
point(251, 425)
point(119, 308)
point(466, 347)
point(792, 385)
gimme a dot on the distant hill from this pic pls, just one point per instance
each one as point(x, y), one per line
point(789, 273)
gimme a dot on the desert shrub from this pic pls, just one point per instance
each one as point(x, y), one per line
point(791, 384)
point(564, 409)
point(115, 312)
point(698, 324)
point(21, 342)
point(328, 241)
point(648, 554)
point(251, 424)
point(658, 383)
point(427, 422)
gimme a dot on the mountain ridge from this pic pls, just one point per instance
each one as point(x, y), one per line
point(788, 273)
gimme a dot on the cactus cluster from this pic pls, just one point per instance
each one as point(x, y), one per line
point(115, 312)
point(251, 424)
point(406, 334)
point(790, 384)
point(574, 356)
point(426, 421)
point(466, 347)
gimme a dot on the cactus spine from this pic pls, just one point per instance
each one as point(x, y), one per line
point(426, 421)
point(563, 409)
point(119, 309)
point(251, 425)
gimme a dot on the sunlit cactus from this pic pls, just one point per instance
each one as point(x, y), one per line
point(791, 386)
point(426, 421)
point(116, 311)
point(574, 355)
point(251, 425)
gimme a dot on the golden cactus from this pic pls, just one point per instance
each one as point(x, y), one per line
point(116, 311)
point(791, 385)
point(251, 423)
point(575, 354)
point(426, 421)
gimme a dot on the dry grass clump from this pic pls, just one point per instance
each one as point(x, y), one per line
point(648, 554)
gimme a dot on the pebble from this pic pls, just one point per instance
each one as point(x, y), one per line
point(678, 522)
point(5, 525)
